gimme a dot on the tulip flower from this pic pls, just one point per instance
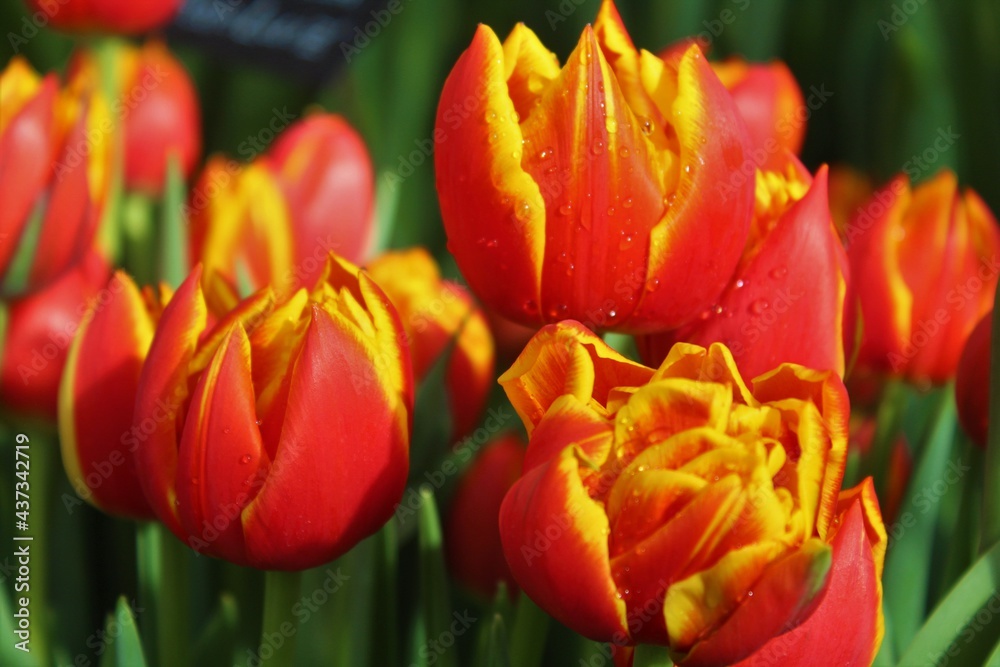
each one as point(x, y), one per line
point(98, 393)
point(770, 101)
point(436, 315)
point(276, 435)
point(591, 191)
point(924, 264)
point(679, 506)
point(850, 190)
point(472, 531)
point(40, 326)
point(158, 108)
point(785, 302)
point(127, 17)
point(972, 382)
point(55, 161)
point(274, 221)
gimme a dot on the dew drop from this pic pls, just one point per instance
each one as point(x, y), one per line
point(623, 151)
point(245, 459)
point(749, 594)
point(627, 203)
point(611, 125)
point(779, 272)
point(652, 285)
point(647, 126)
point(612, 314)
point(611, 210)
point(758, 307)
point(492, 243)
point(546, 153)
point(739, 283)
point(523, 210)
point(687, 169)
point(717, 310)
point(490, 115)
point(565, 209)
point(530, 307)
point(597, 147)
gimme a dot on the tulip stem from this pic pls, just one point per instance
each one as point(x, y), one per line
point(991, 483)
point(163, 594)
point(651, 656)
point(281, 592)
point(889, 421)
point(527, 639)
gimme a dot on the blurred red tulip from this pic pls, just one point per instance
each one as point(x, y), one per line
point(570, 192)
point(97, 396)
point(924, 267)
point(439, 317)
point(128, 17)
point(39, 330)
point(785, 302)
point(276, 435)
point(770, 101)
point(850, 189)
point(972, 382)
point(472, 531)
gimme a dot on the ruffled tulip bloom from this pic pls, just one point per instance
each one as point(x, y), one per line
point(472, 530)
point(590, 191)
point(770, 101)
point(55, 156)
point(276, 435)
point(680, 507)
point(127, 17)
point(440, 317)
point(40, 327)
point(924, 267)
point(275, 221)
point(972, 382)
point(786, 300)
point(158, 108)
point(97, 397)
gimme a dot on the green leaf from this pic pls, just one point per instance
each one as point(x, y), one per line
point(385, 637)
point(527, 642)
point(436, 605)
point(123, 647)
point(959, 625)
point(991, 484)
point(908, 561)
point(218, 640)
point(651, 656)
point(174, 262)
point(9, 655)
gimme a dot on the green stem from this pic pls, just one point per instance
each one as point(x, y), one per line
point(651, 656)
point(991, 483)
point(163, 589)
point(385, 643)
point(281, 591)
point(138, 237)
point(527, 641)
point(889, 420)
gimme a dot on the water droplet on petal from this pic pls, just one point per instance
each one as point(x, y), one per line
point(246, 458)
point(627, 203)
point(546, 153)
point(623, 151)
point(739, 283)
point(597, 147)
point(565, 209)
point(759, 306)
point(530, 307)
point(611, 124)
point(647, 126)
point(523, 210)
point(779, 272)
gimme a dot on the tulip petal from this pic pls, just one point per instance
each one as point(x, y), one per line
point(568, 421)
point(317, 466)
point(548, 521)
point(221, 461)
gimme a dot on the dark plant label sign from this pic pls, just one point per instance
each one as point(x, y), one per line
point(300, 38)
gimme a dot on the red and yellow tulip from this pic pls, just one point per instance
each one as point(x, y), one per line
point(589, 191)
point(97, 396)
point(972, 381)
point(785, 302)
point(274, 221)
point(770, 101)
point(276, 435)
point(924, 265)
point(472, 531)
point(680, 507)
point(55, 162)
point(127, 17)
point(157, 106)
point(439, 317)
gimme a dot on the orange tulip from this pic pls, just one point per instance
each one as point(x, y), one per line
point(437, 314)
point(127, 17)
point(98, 393)
point(55, 156)
point(972, 382)
point(924, 265)
point(770, 101)
point(274, 221)
point(786, 300)
point(276, 435)
point(680, 507)
point(573, 192)
point(472, 531)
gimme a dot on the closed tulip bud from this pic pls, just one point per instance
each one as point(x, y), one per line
point(440, 318)
point(924, 267)
point(39, 330)
point(127, 17)
point(274, 221)
point(770, 101)
point(55, 161)
point(679, 506)
point(972, 382)
point(570, 192)
point(472, 531)
point(276, 435)
point(97, 396)
point(786, 300)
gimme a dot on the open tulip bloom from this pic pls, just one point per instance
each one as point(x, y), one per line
point(622, 365)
